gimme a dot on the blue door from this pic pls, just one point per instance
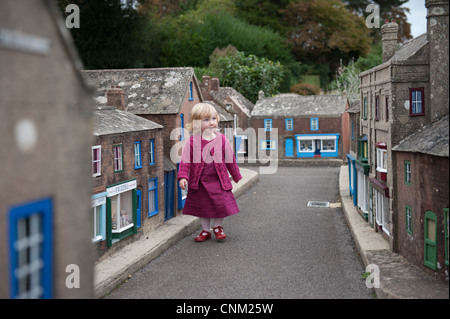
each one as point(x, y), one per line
point(168, 194)
point(318, 144)
point(138, 206)
point(289, 147)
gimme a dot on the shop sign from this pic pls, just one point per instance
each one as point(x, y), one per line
point(121, 188)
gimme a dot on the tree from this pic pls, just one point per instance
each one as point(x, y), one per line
point(249, 74)
point(111, 34)
point(325, 31)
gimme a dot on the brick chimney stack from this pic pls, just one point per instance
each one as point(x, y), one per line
point(116, 97)
point(389, 39)
point(215, 84)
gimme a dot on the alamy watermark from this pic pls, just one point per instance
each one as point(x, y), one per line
point(73, 19)
point(217, 152)
point(372, 276)
point(373, 19)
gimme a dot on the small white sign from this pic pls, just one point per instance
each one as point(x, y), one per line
point(124, 187)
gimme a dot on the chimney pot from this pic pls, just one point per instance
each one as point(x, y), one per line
point(215, 84)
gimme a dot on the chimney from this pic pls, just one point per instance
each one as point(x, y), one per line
point(215, 84)
point(116, 97)
point(205, 87)
point(389, 39)
point(437, 36)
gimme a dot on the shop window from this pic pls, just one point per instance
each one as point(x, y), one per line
point(153, 197)
point(381, 210)
point(151, 150)
point(268, 125)
point(408, 219)
point(96, 160)
point(314, 124)
point(289, 124)
point(137, 155)
point(306, 146)
point(416, 101)
point(30, 249)
point(407, 172)
point(121, 212)
point(118, 158)
point(268, 145)
point(328, 145)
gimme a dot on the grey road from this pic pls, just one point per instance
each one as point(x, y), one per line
point(277, 247)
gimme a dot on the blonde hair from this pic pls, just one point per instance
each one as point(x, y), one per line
point(199, 112)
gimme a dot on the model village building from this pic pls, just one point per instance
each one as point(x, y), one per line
point(398, 162)
point(45, 136)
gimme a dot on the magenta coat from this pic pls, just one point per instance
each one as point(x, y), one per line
point(197, 151)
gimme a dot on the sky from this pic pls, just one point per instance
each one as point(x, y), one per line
point(417, 16)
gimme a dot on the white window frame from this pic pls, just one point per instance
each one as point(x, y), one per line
point(313, 146)
point(118, 166)
point(381, 209)
point(119, 210)
point(97, 163)
point(327, 139)
point(381, 160)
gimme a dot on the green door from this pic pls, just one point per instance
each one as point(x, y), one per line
point(430, 247)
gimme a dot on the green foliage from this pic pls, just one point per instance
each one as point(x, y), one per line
point(249, 74)
point(305, 89)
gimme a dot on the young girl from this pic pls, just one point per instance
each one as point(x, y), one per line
point(207, 157)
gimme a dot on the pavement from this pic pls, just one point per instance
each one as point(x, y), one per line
point(399, 279)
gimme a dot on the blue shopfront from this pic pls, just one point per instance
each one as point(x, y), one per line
point(317, 145)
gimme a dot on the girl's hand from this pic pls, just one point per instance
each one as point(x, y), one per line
point(183, 183)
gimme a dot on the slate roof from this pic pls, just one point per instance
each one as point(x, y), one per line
point(300, 106)
point(410, 48)
point(109, 120)
point(241, 101)
point(432, 140)
point(224, 116)
point(147, 91)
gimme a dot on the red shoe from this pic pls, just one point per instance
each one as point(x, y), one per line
point(220, 234)
point(204, 235)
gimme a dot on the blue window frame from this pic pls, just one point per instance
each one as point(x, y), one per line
point(191, 95)
point(416, 101)
point(289, 124)
point(153, 197)
point(30, 249)
point(137, 155)
point(182, 127)
point(268, 125)
point(151, 149)
point(314, 124)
